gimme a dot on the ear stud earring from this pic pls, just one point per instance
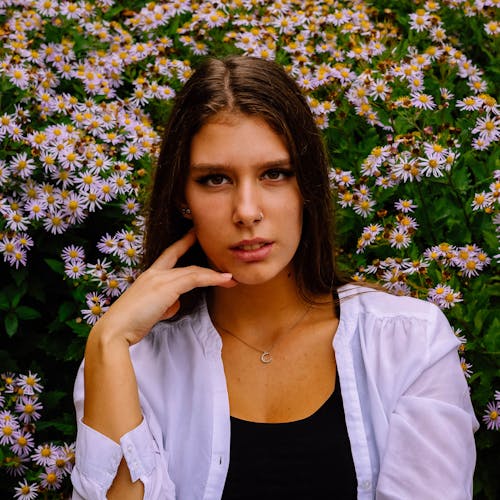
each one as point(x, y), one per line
point(185, 211)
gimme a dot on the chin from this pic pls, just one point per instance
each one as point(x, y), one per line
point(254, 277)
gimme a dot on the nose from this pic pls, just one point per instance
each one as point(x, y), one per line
point(247, 209)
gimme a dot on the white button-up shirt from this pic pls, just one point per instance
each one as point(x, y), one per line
point(408, 411)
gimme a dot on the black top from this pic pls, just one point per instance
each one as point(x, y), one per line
point(304, 459)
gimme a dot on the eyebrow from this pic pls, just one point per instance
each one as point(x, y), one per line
point(280, 163)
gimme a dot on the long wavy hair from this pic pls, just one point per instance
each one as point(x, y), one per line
point(254, 87)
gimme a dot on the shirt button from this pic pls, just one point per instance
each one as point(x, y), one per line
point(129, 448)
point(366, 484)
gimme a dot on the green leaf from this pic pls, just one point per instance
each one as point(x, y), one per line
point(25, 312)
point(56, 265)
point(11, 324)
point(19, 276)
point(81, 329)
point(66, 309)
point(4, 301)
point(18, 295)
point(492, 337)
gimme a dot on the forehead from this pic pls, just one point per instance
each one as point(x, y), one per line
point(237, 139)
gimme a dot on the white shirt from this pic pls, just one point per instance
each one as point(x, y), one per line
point(408, 411)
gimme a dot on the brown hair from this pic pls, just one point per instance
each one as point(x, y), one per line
point(260, 88)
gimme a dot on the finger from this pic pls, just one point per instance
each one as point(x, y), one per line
point(188, 278)
point(171, 254)
point(171, 311)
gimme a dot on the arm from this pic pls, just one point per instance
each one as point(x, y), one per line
point(111, 405)
point(430, 451)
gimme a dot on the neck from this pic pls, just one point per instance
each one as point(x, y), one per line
point(258, 311)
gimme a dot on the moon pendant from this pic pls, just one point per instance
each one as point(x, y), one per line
point(266, 357)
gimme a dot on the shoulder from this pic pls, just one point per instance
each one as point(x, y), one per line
point(357, 299)
point(398, 324)
point(192, 332)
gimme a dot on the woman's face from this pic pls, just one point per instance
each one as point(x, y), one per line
point(245, 203)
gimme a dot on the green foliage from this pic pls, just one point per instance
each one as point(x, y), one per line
point(119, 54)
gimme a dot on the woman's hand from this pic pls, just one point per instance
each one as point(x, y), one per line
point(154, 296)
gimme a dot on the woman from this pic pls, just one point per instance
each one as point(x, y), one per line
point(225, 369)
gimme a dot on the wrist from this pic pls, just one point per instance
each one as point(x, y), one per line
point(105, 340)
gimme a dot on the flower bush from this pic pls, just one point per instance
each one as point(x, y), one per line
point(403, 91)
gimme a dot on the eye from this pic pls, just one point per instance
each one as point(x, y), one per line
point(277, 174)
point(212, 180)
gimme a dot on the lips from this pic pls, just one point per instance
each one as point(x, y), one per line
point(255, 246)
point(252, 250)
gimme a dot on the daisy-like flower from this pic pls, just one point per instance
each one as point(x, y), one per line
point(132, 151)
point(74, 268)
point(363, 206)
point(443, 296)
point(405, 206)
point(75, 206)
point(391, 278)
point(343, 178)
point(480, 144)
point(55, 222)
point(406, 223)
point(15, 221)
point(44, 454)
point(129, 253)
point(482, 200)
point(19, 76)
point(8, 425)
point(488, 128)
point(471, 103)
point(420, 20)
point(380, 89)
point(399, 238)
point(406, 168)
point(22, 166)
point(446, 94)
point(432, 165)
point(450, 299)
point(29, 383)
point(368, 236)
point(72, 252)
point(23, 443)
point(466, 367)
point(15, 465)
point(422, 101)
point(492, 28)
point(9, 380)
point(400, 288)
point(51, 479)
point(130, 206)
point(491, 415)
point(107, 244)
point(27, 407)
point(96, 308)
point(114, 286)
point(67, 451)
point(25, 491)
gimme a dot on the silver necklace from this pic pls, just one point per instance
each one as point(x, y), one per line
point(265, 355)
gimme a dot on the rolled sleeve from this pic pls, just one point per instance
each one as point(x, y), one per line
point(430, 450)
point(138, 448)
point(97, 459)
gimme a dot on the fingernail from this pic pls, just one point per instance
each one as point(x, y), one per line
point(227, 275)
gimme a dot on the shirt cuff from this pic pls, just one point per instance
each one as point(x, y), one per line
point(139, 449)
point(97, 456)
